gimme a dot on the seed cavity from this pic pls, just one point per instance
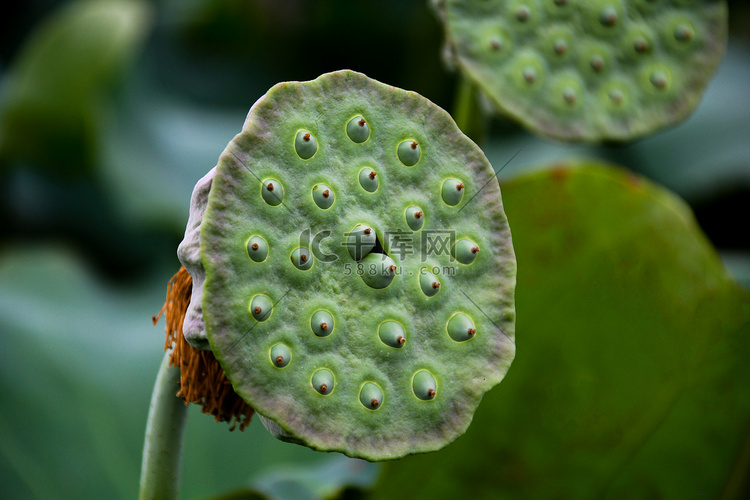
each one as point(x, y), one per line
point(452, 191)
point(428, 282)
point(322, 323)
point(465, 251)
point(378, 270)
point(424, 385)
point(280, 355)
point(272, 192)
point(360, 241)
point(460, 327)
point(305, 144)
point(323, 196)
point(414, 217)
point(368, 179)
point(302, 259)
point(257, 248)
point(358, 130)
point(323, 382)
point(260, 307)
point(392, 334)
point(409, 152)
point(371, 396)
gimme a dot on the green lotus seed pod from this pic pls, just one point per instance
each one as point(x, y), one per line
point(424, 385)
point(280, 355)
point(368, 179)
point(371, 396)
point(322, 381)
point(322, 323)
point(465, 251)
point(392, 334)
point(257, 248)
point(452, 191)
point(272, 192)
point(305, 144)
point(409, 152)
point(322, 196)
point(360, 241)
point(538, 42)
point(378, 270)
point(302, 259)
point(461, 328)
point(358, 130)
point(414, 217)
point(360, 228)
point(260, 307)
point(428, 282)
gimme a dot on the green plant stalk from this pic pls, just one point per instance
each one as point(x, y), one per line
point(162, 450)
point(468, 113)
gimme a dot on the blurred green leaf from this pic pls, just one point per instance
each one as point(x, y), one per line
point(630, 373)
point(53, 98)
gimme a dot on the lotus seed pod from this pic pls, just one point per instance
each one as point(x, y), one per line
point(322, 323)
point(392, 334)
point(424, 385)
point(452, 191)
point(260, 307)
point(302, 259)
point(323, 196)
point(257, 248)
point(357, 129)
point(305, 144)
point(378, 270)
point(465, 251)
point(369, 408)
point(409, 152)
point(368, 179)
point(414, 218)
point(360, 241)
point(461, 328)
point(322, 381)
point(272, 192)
point(280, 355)
point(598, 41)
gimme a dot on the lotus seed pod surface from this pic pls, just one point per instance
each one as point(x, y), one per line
point(594, 70)
point(308, 337)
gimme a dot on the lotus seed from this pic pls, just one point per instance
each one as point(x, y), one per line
point(597, 63)
point(428, 282)
point(569, 95)
point(392, 334)
point(322, 323)
point(616, 96)
point(360, 241)
point(305, 145)
point(465, 251)
point(368, 179)
point(257, 248)
point(641, 45)
point(659, 80)
point(322, 381)
point(414, 218)
point(529, 74)
point(560, 47)
point(608, 17)
point(496, 44)
point(280, 355)
point(424, 385)
point(322, 196)
point(461, 328)
point(683, 33)
point(523, 13)
point(409, 152)
point(371, 396)
point(358, 130)
point(272, 192)
point(260, 307)
point(378, 270)
point(452, 191)
point(302, 259)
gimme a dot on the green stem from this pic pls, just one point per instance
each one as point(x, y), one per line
point(468, 113)
point(162, 450)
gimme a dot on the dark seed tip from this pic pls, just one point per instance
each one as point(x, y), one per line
point(326, 193)
point(372, 175)
point(306, 137)
point(255, 246)
point(362, 122)
point(414, 144)
point(459, 186)
point(418, 215)
point(375, 403)
point(401, 340)
point(257, 310)
point(324, 326)
point(435, 284)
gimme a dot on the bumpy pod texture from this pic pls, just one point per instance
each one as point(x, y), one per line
point(588, 70)
point(338, 380)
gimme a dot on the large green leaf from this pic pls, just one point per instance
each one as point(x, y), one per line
point(629, 375)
